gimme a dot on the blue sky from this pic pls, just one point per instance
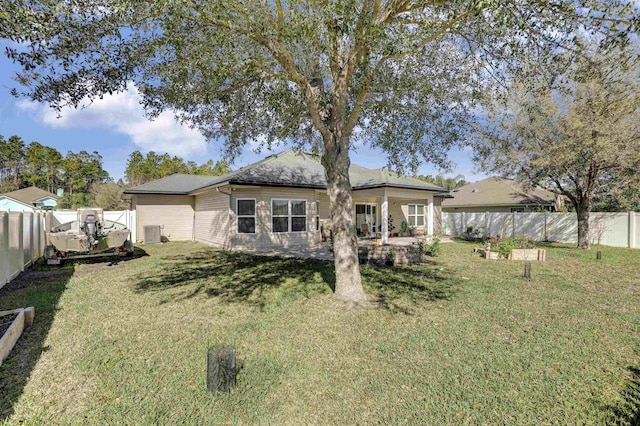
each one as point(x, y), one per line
point(116, 126)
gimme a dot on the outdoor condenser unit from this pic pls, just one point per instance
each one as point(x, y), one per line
point(152, 234)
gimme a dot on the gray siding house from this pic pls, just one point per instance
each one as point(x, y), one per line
point(280, 201)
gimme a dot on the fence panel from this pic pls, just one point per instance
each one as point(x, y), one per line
point(499, 224)
point(16, 253)
point(636, 235)
point(612, 229)
point(4, 249)
point(27, 239)
point(451, 222)
point(531, 225)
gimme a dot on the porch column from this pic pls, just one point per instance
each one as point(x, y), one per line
point(430, 218)
point(385, 219)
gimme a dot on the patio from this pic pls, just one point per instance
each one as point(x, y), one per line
point(321, 251)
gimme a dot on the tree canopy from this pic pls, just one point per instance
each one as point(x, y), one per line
point(399, 75)
point(45, 167)
point(144, 168)
point(580, 140)
point(448, 183)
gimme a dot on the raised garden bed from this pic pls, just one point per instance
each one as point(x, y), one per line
point(12, 323)
point(517, 254)
point(518, 248)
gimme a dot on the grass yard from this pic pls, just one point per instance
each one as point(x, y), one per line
point(459, 341)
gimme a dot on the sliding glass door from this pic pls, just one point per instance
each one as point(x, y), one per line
point(367, 219)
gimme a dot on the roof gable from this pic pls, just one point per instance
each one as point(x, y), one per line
point(30, 195)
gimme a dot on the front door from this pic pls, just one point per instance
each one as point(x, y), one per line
point(367, 214)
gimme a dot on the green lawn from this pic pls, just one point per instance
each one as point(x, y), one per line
point(459, 341)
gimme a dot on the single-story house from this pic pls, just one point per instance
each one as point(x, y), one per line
point(28, 199)
point(280, 201)
point(496, 194)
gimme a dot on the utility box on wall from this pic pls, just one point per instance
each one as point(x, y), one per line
point(152, 234)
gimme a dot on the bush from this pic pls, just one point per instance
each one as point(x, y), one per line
point(504, 245)
point(434, 248)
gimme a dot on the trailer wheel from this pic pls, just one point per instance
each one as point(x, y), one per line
point(128, 245)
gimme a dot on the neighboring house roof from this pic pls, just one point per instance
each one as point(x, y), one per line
point(30, 195)
point(288, 169)
point(497, 191)
point(4, 198)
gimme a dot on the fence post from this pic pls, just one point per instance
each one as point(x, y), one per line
point(21, 240)
point(632, 229)
point(4, 248)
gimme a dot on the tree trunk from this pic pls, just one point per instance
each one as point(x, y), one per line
point(583, 208)
point(345, 243)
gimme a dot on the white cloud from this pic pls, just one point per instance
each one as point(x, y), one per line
point(122, 113)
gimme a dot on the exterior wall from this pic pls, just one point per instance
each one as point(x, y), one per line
point(399, 209)
point(264, 238)
point(47, 202)
point(437, 215)
point(211, 223)
point(174, 213)
point(7, 203)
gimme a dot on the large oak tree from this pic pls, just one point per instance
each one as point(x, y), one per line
point(400, 75)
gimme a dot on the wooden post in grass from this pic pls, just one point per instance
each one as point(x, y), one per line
point(221, 368)
point(599, 255)
point(527, 270)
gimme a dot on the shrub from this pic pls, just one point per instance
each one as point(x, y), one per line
point(504, 245)
point(434, 248)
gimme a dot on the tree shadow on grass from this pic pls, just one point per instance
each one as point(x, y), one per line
point(41, 288)
point(399, 289)
point(627, 413)
point(237, 277)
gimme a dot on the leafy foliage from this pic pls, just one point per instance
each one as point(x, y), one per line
point(402, 76)
point(141, 169)
point(108, 196)
point(449, 183)
point(580, 140)
point(43, 166)
point(504, 245)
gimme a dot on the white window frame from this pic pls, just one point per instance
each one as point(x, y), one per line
point(289, 216)
point(238, 215)
point(317, 216)
point(416, 215)
point(517, 209)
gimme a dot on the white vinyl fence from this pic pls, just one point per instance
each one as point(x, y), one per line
point(22, 236)
point(611, 229)
point(22, 241)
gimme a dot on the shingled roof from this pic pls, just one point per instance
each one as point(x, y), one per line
point(289, 169)
point(497, 191)
point(30, 195)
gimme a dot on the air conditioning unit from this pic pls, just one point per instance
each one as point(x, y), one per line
point(152, 234)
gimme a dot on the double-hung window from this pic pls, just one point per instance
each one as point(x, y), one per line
point(246, 212)
point(416, 214)
point(288, 215)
